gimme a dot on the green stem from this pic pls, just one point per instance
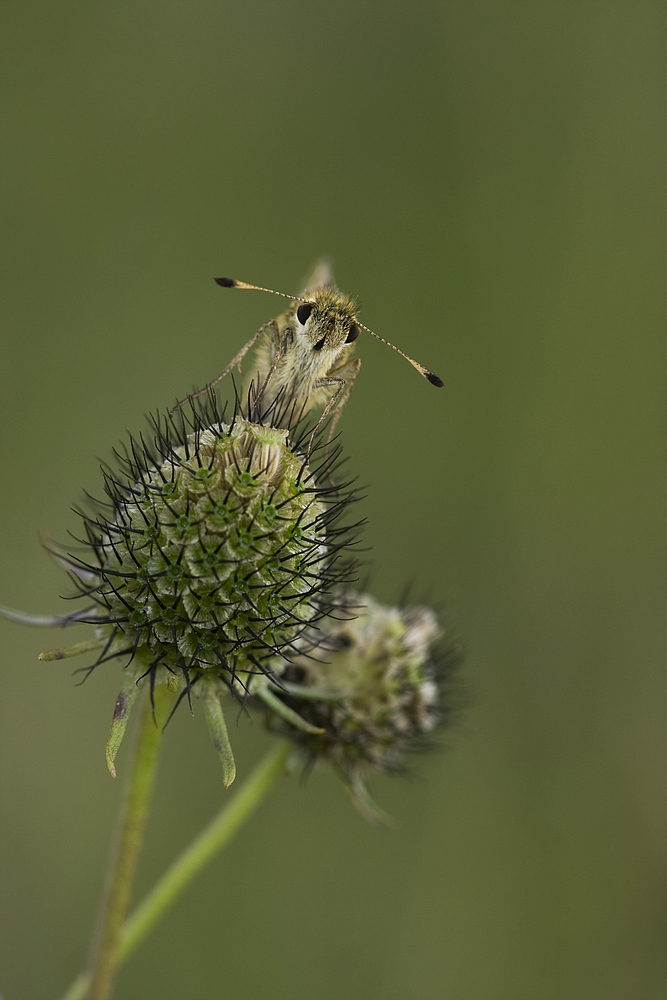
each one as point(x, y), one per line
point(132, 821)
point(195, 857)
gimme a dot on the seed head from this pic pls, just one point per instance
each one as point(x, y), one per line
point(374, 687)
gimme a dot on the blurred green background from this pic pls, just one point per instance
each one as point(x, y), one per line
point(489, 178)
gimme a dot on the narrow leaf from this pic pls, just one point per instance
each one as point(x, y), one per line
point(76, 649)
point(121, 714)
point(217, 727)
point(286, 713)
point(44, 621)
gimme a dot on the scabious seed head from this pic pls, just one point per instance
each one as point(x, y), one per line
point(375, 686)
point(211, 557)
point(218, 549)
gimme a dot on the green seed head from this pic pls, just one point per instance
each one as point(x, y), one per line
point(373, 687)
point(219, 550)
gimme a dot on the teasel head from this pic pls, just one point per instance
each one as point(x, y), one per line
point(378, 686)
point(216, 551)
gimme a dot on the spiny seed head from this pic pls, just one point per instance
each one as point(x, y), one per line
point(374, 686)
point(218, 549)
point(213, 555)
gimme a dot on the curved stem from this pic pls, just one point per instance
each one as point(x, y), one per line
point(195, 857)
point(129, 838)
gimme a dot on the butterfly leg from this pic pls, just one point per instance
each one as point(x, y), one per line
point(278, 351)
point(236, 360)
point(338, 398)
point(349, 370)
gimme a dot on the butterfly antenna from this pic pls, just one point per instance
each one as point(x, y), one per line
point(431, 376)
point(233, 283)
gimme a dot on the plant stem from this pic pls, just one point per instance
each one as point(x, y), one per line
point(195, 857)
point(129, 838)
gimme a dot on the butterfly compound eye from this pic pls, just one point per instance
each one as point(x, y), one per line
point(303, 312)
point(353, 334)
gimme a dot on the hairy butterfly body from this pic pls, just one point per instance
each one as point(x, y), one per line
point(305, 355)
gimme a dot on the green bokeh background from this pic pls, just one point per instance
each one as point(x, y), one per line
point(489, 178)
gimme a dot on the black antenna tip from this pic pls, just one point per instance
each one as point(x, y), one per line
point(225, 282)
point(434, 380)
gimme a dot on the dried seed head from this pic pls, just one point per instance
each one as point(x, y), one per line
point(374, 687)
